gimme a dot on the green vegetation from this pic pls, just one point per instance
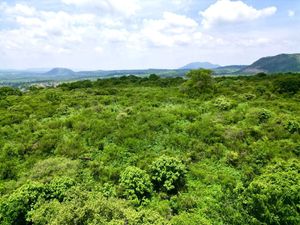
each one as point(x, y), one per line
point(199, 81)
point(133, 150)
point(136, 184)
point(282, 63)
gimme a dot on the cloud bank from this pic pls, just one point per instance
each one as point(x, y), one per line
point(136, 33)
point(226, 11)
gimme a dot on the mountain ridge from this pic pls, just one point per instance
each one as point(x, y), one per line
point(281, 63)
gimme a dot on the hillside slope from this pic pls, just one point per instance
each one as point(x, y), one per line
point(228, 69)
point(275, 64)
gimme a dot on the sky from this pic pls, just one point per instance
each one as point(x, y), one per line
point(140, 34)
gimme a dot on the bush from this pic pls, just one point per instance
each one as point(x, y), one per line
point(199, 81)
point(289, 85)
point(53, 97)
point(249, 96)
point(259, 115)
point(87, 208)
point(293, 126)
point(14, 208)
point(273, 197)
point(168, 174)
point(46, 170)
point(153, 77)
point(6, 91)
point(58, 187)
point(232, 158)
point(263, 115)
point(261, 75)
point(135, 184)
point(223, 103)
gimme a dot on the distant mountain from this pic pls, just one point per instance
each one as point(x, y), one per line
point(60, 72)
point(229, 69)
point(274, 64)
point(198, 65)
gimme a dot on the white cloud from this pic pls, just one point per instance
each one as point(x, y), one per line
point(122, 7)
point(291, 13)
point(101, 34)
point(99, 50)
point(169, 31)
point(56, 32)
point(227, 11)
point(36, 33)
point(174, 30)
point(19, 9)
point(114, 35)
point(253, 42)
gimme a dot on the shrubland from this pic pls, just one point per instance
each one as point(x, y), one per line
point(132, 150)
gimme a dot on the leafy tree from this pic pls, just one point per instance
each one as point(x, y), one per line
point(88, 208)
point(223, 103)
point(199, 81)
point(6, 91)
point(46, 170)
point(261, 75)
point(293, 126)
point(14, 208)
point(53, 97)
point(153, 77)
point(58, 187)
point(136, 184)
point(289, 85)
point(273, 197)
point(168, 174)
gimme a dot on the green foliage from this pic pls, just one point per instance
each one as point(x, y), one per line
point(293, 126)
point(223, 103)
point(153, 77)
point(78, 84)
point(199, 81)
point(53, 97)
point(168, 174)
point(263, 115)
point(7, 91)
point(261, 75)
point(289, 85)
point(65, 152)
point(91, 209)
point(14, 208)
point(58, 187)
point(232, 158)
point(46, 170)
point(136, 184)
point(273, 197)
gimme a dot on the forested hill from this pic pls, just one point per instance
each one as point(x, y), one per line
point(152, 150)
point(274, 64)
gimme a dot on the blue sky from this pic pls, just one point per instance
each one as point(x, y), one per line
point(128, 34)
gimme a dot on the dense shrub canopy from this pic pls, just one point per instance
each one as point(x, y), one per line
point(138, 150)
point(168, 174)
point(136, 184)
point(199, 81)
point(272, 197)
point(288, 85)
